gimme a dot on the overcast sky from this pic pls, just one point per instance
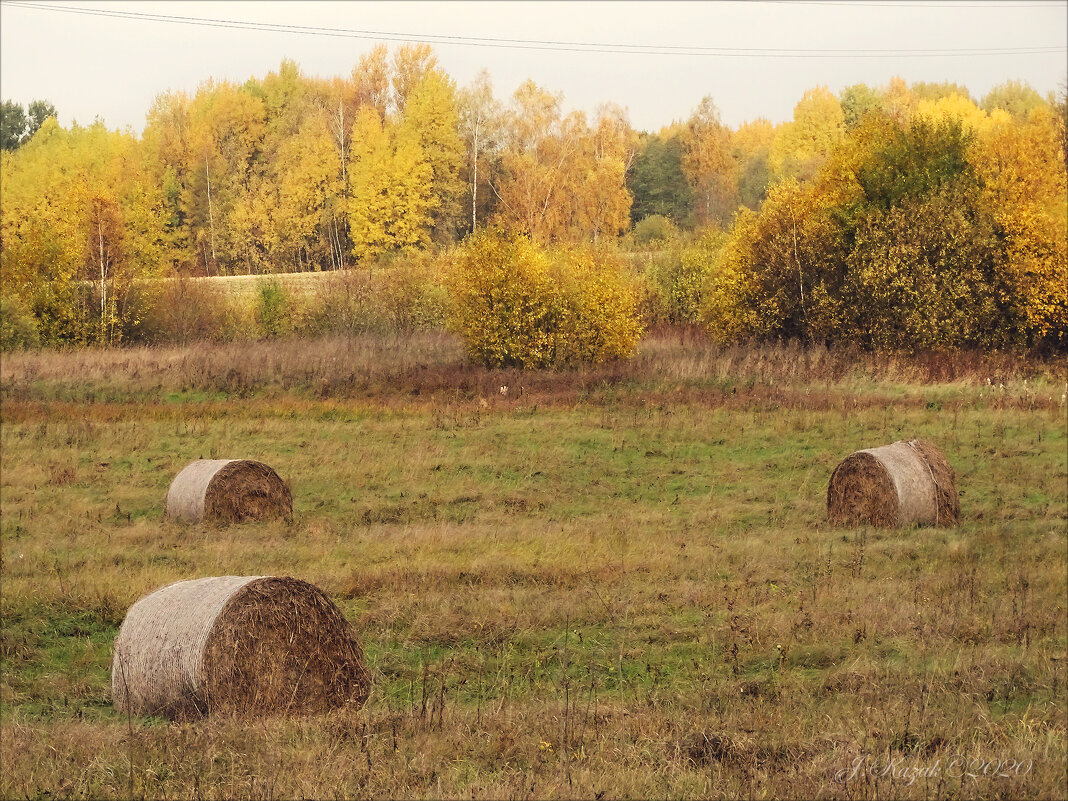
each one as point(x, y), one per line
point(96, 65)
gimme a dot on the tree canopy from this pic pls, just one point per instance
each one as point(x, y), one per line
point(885, 214)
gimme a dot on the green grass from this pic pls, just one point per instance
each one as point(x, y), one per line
point(617, 581)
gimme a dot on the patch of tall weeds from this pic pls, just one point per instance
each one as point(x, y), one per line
point(403, 297)
point(179, 310)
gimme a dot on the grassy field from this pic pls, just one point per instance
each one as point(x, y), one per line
point(614, 582)
point(249, 285)
point(303, 284)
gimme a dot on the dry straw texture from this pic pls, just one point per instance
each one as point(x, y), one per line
point(908, 482)
point(229, 490)
point(249, 645)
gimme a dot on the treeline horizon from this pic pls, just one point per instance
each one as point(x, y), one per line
point(294, 173)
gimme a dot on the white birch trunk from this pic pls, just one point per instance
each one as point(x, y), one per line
point(474, 182)
point(103, 281)
point(211, 214)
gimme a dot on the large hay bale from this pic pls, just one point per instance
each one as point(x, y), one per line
point(240, 644)
point(910, 481)
point(229, 490)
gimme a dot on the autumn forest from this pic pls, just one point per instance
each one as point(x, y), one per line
point(910, 215)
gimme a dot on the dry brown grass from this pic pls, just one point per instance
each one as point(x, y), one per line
point(678, 365)
point(694, 752)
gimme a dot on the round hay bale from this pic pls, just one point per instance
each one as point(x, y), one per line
point(229, 490)
point(249, 645)
point(910, 481)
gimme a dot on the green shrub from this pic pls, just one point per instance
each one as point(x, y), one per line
point(655, 231)
point(689, 280)
point(676, 280)
point(18, 326)
point(66, 313)
point(277, 309)
point(516, 305)
point(652, 300)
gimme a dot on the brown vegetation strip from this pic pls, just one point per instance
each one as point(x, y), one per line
point(754, 398)
point(433, 363)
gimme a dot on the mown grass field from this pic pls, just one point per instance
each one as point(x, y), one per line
point(614, 582)
point(307, 283)
point(247, 286)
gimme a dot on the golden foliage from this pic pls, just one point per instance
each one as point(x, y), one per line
point(562, 181)
point(517, 305)
point(389, 203)
point(800, 147)
point(431, 118)
point(80, 220)
point(708, 163)
point(944, 231)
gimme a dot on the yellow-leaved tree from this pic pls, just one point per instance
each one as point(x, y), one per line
point(165, 146)
point(708, 164)
point(226, 129)
point(370, 81)
point(802, 146)
point(559, 180)
point(412, 63)
point(750, 150)
point(531, 189)
point(776, 274)
point(310, 189)
point(81, 221)
point(942, 230)
point(431, 119)
point(1021, 169)
point(390, 189)
point(602, 208)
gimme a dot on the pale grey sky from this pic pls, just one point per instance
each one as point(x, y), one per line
point(93, 65)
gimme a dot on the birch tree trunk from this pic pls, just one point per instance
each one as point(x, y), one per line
point(103, 281)
point(211, 214)
point(474, 181)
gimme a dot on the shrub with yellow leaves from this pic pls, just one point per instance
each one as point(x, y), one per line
point(517, 305)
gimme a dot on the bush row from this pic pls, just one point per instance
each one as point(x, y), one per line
point(403, 297)
point(510, 301)
point(515, 303)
